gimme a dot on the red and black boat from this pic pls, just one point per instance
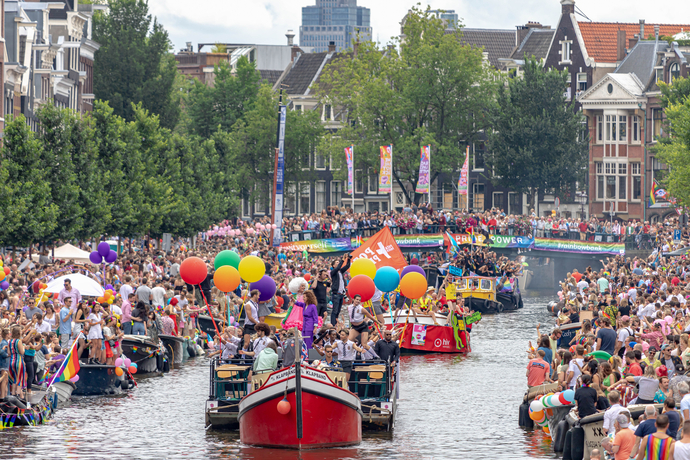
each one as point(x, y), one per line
point(300, 407)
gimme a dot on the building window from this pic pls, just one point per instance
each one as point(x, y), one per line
point(600, 180)
point(515, 203)
point(622, 181)
point(319, 161)
point(659, 72)
point(246, 208)
point(636, 180)
point(327, 112)
point(622, 128)
point(372, 183)
point(611, 128)
point(582, 82)
point(657, 123)
point(359, 185)
point(611, 181)
point(497, 200)
point(635, 134)
point(600, 129)
point(304, 198)
point(298, 108)
point(565, 50)
point(320, 195)
point(290, 201)
point(336, 193)
point(673, 72)
point(478, 197)
point(478, 157)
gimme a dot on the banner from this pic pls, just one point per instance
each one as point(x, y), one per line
point(386, 174)
point(319, 246)
point(521, 242)
point(454, 271)
point(349, 151)
point(462, 181)
point(473, 318)
point(429, 241)
point(424, 170)
point(577, 246)
point(436, 338)
point(279, 179)
point(464, 238)
point(418, 334)
point(382, 250)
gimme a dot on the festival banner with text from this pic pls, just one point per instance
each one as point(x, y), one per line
point(319, 246)
point(424, 170)
point(522, 242)
point(577, 246)
point(386, 175)
point(421, 241)
point(462, 181)
point(349, 151)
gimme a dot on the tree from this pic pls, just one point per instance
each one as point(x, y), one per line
point(435, 91)
point(675, 152)
point(536, 139)
point(675, 93)
point(28, 211)
point(133, 64)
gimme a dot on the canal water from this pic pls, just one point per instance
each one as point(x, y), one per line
point(450, 407)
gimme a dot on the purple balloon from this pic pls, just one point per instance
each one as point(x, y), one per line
point(266, 287)
point(412, 268)
point(111, 257)
point(4, 285)
point(95, 258)
point(109, 286)
point(103, 248)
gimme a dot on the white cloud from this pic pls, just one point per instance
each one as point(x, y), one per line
point(266, 21)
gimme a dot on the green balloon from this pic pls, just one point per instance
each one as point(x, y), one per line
point(226, 257)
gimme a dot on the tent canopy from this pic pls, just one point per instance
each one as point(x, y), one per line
point(85, 285)
point(68, 252)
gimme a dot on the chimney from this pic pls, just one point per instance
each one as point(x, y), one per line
point(190, 48)
point(567, 6)
point(296, 50)
point(641, 29)
point(331, 47)
point(620, 45)
point(290, 37)
point(656, 32)
point(633, 41)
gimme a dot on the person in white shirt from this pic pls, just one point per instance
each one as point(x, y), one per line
point(613, 411)
point(41, 326)
point(576, 364)
point(95, 333)
point(158, 294)
point(126, 289)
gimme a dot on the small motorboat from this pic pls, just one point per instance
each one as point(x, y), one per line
point(143, 351)
point(286, 409)
point(97, 379)
point(64, 390)
point(421, 335)
point(229, 384)
point(479, 293)
point(35, 411)
point(174, 346)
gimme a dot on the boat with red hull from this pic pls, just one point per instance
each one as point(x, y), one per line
point(322, 412)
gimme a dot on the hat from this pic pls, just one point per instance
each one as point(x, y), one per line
point(431, 288)
point(632, 344)
point(662, 371)
point(664, 346)
point(173, 301)
point(625, 318)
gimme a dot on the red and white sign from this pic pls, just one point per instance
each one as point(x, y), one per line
point(382, 250)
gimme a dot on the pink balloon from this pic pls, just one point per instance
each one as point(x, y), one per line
point(232, 233)
point(274, 226)
point(258, 225)
point(262, 227)
point(215, 227)
point(127, 362)
point(118, 362)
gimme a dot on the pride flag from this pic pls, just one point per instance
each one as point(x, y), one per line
point(69, 367)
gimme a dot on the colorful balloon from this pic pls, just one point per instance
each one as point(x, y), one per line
point(412, 269)
point(119, 371)
point(252, 268)
point(266, 287)
point(569, 395)
point(132, 370)
point(95, 258)
point(227, 257)
point(103, 249)
point(413, 285)
point(363, 286)
point(363, 266)
point(2, 275)
point(226, 278)
point(307, 276)
point(193, 270)
point(111, 257)
point(127, 362)
point(387, 279)
point(118, 362)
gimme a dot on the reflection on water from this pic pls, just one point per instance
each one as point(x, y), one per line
point(451, 406)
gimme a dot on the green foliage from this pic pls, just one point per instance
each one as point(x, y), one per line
point(536, 139)
point(676, 152)
point(435, 91)
point(133, 64)
point(675, 93)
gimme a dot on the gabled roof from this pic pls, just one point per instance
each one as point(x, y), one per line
point(498, 43)
point(641, 59)
point(601, 38)
point(536, 43)
point(303, 71)
point(628, 82)
point(270, 76)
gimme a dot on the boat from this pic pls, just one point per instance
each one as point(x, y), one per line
point(525, 278)
point(311, 394)
point(174, 347)
point(480, 294)
point(96, 380)
point(16, 412)
point(421, 335)
point(205, 324)
point(64, 390)
point(376, 385)
point(229, 384)
point(143, 351)
point(555, 307)
point(510, 295)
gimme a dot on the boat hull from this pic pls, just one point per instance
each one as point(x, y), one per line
point(222, 414)
point(205, 324)
point(96, 379)
point(331, 415)
point(145, 356)
point(174, 346)
point(64, 391)
point(433, 339)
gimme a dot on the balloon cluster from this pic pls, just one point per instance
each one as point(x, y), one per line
point(126, 363)
point(224, 230)
point(103, 253)
point(541, 408)
point(39, 288)
point(4, 271)
point(108, 296)
point(365, 277)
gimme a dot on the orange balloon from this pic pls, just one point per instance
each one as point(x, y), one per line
point(226, 278)
point(118, 371)
point(413, 285)
point(100, 300)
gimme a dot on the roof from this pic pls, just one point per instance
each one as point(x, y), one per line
point(536, 43)
point(641, 59)
point(498, 43)
point(601, 37)
point(270, 76)
point(629, 82)
point(303, 72)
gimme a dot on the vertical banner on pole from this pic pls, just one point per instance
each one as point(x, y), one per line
point(423, 185)
point(350, 169)
point(279, 179)
point(462, 181)
point(386, 174)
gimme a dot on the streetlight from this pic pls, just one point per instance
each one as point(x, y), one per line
point(582, 199)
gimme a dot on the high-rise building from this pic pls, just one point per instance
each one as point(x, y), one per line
point(337, 21)
point(449, 18)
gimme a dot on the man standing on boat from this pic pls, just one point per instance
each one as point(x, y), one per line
point(338, 286)
point(538, 370)
point(386, 348)
point(320, 286)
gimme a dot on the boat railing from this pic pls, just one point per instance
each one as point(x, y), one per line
point(371, 379)
point(229, 378)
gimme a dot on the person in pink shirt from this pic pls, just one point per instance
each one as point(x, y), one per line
point(126, 319)
point(655, 338)
point(538, 370)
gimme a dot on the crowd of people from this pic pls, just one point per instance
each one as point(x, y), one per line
point(636, 311)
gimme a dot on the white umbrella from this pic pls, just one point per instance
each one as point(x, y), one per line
point(85, 285)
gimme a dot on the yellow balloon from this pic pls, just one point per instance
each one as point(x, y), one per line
point(363, 266)
point(109, 292)
point(252, 268)
point(110, 300)
point(1, 263)
point(2, 275)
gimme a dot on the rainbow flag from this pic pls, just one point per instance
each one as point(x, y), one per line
point(69, 367)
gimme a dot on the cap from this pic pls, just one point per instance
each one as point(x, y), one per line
point(664, 346)
point(625, 318)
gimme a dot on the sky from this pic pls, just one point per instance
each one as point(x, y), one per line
point(267, 21)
